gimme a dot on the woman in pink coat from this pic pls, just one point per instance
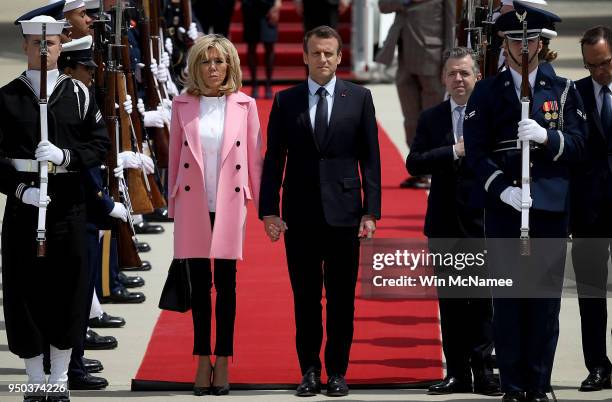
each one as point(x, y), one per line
point(215, 170)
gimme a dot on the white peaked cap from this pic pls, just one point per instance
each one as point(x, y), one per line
point(83, 43)
point(92, 4)
point(70, 4)
point(539, 2)
point(34, 26)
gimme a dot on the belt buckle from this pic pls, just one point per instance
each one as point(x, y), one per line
point(51, 167)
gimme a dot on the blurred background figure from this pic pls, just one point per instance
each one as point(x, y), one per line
point(260, 19)
point(321, 12)
point(214, 15)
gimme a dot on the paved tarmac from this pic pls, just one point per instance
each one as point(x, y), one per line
point(122, 363)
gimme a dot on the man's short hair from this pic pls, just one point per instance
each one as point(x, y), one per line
point(595, 34)
point(459, 53)
point(324, 32)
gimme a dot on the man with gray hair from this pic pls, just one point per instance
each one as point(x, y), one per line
point(438, 150)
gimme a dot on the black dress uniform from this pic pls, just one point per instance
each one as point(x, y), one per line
point(41, 294)
point(525, 329)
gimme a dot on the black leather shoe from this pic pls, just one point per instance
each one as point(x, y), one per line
point(219, 391)
point(130, 281)
point(420, 182)
point(93, 341)
point(143, 247)
point(122, 295)
point(336, 386)
point(159, 215)
point(200, 391)
point(92, 365)
point(58, 397)
point(536, 397)
point(450, 385)
point(145, 266)
point(311, 383)
point(598, 379)
point(514, 396)
point(106, 321)
point(487, 385)
point(147, 228)
point(34, 398)
point(87, 382)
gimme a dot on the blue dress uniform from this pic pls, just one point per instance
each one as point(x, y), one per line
point(525, 329)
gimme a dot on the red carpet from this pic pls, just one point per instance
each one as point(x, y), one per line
point(396, 342)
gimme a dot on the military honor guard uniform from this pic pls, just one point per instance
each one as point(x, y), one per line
point(525, 329)
point(42, 294)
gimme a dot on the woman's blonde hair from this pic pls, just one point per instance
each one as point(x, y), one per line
point(197, 54)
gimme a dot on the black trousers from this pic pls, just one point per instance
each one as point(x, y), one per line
point(215, 14)
point(590, 255)
point(526, 330)
point(201, 305)
point(319, 255)
point(319, 12)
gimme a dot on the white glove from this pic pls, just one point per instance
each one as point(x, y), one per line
point(119, 211)
point(154, 118)
point(171, 88)
point(127, 105)
point(129, 160)
point(169, 46)
point(167, 109)
point(138, 72)
point(154, 67)
point(165, 59)
point(118, 171)
point(529, 129)
point(49, 152)
point(31, 196)
point(147, 162)
point(162, 73)
point(140, 106)
point(512, 196)
point(192, 32)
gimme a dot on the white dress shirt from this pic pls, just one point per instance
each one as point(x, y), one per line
point(34, 77)
point(599, 96)
point(313, 98)
point(518, 78)
point(212, 122)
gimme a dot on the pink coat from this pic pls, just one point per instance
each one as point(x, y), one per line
point(239, 178)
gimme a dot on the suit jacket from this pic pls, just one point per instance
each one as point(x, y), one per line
point(490, 132)
point(239, 178)
point(322, 180)
point(452, 182)
point(591, 184)
point(423, 30)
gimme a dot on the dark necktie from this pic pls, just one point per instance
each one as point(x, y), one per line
point(606, 112)
point(320, 126)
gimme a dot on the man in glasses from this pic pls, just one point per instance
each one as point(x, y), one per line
point(591, 202)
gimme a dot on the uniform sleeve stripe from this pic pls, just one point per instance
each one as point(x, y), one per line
point(98, 116)
point(561, 146)
point(66, 161)
point(491, 178)
point(20, 189)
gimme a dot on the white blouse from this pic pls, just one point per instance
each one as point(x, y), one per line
point(212, 122)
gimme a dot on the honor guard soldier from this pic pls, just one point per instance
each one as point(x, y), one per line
point(44, 269)
point(525, 329)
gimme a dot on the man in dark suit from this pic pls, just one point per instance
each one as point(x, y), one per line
point(591, 214)
point(322, 134)
point(438, 150)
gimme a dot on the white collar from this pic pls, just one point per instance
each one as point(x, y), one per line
point(517, 78)
point(597, 86)
point(454, 104)
point(34, 77)
point(313, 87)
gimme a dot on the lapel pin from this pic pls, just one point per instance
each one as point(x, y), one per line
point(542, 83)
point(506, 83)
point(343, 94)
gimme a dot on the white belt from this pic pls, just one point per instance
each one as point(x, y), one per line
point(31, 166)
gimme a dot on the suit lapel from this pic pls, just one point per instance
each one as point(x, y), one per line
point(446, 121)
point(190, 119)
point(234, 116)
point(304, 116)
point(509, 91)
point(591, 106)
point(339, 105)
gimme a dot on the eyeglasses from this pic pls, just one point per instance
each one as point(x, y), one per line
point(603, 64)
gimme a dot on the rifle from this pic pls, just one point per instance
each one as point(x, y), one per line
point(178, 14)
point(126, 237)
point(525, 145)
point(137, 126)
point(100, 43)
point(153, 98)
point(137, 181)
point(476, 32)
point(43, 166)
